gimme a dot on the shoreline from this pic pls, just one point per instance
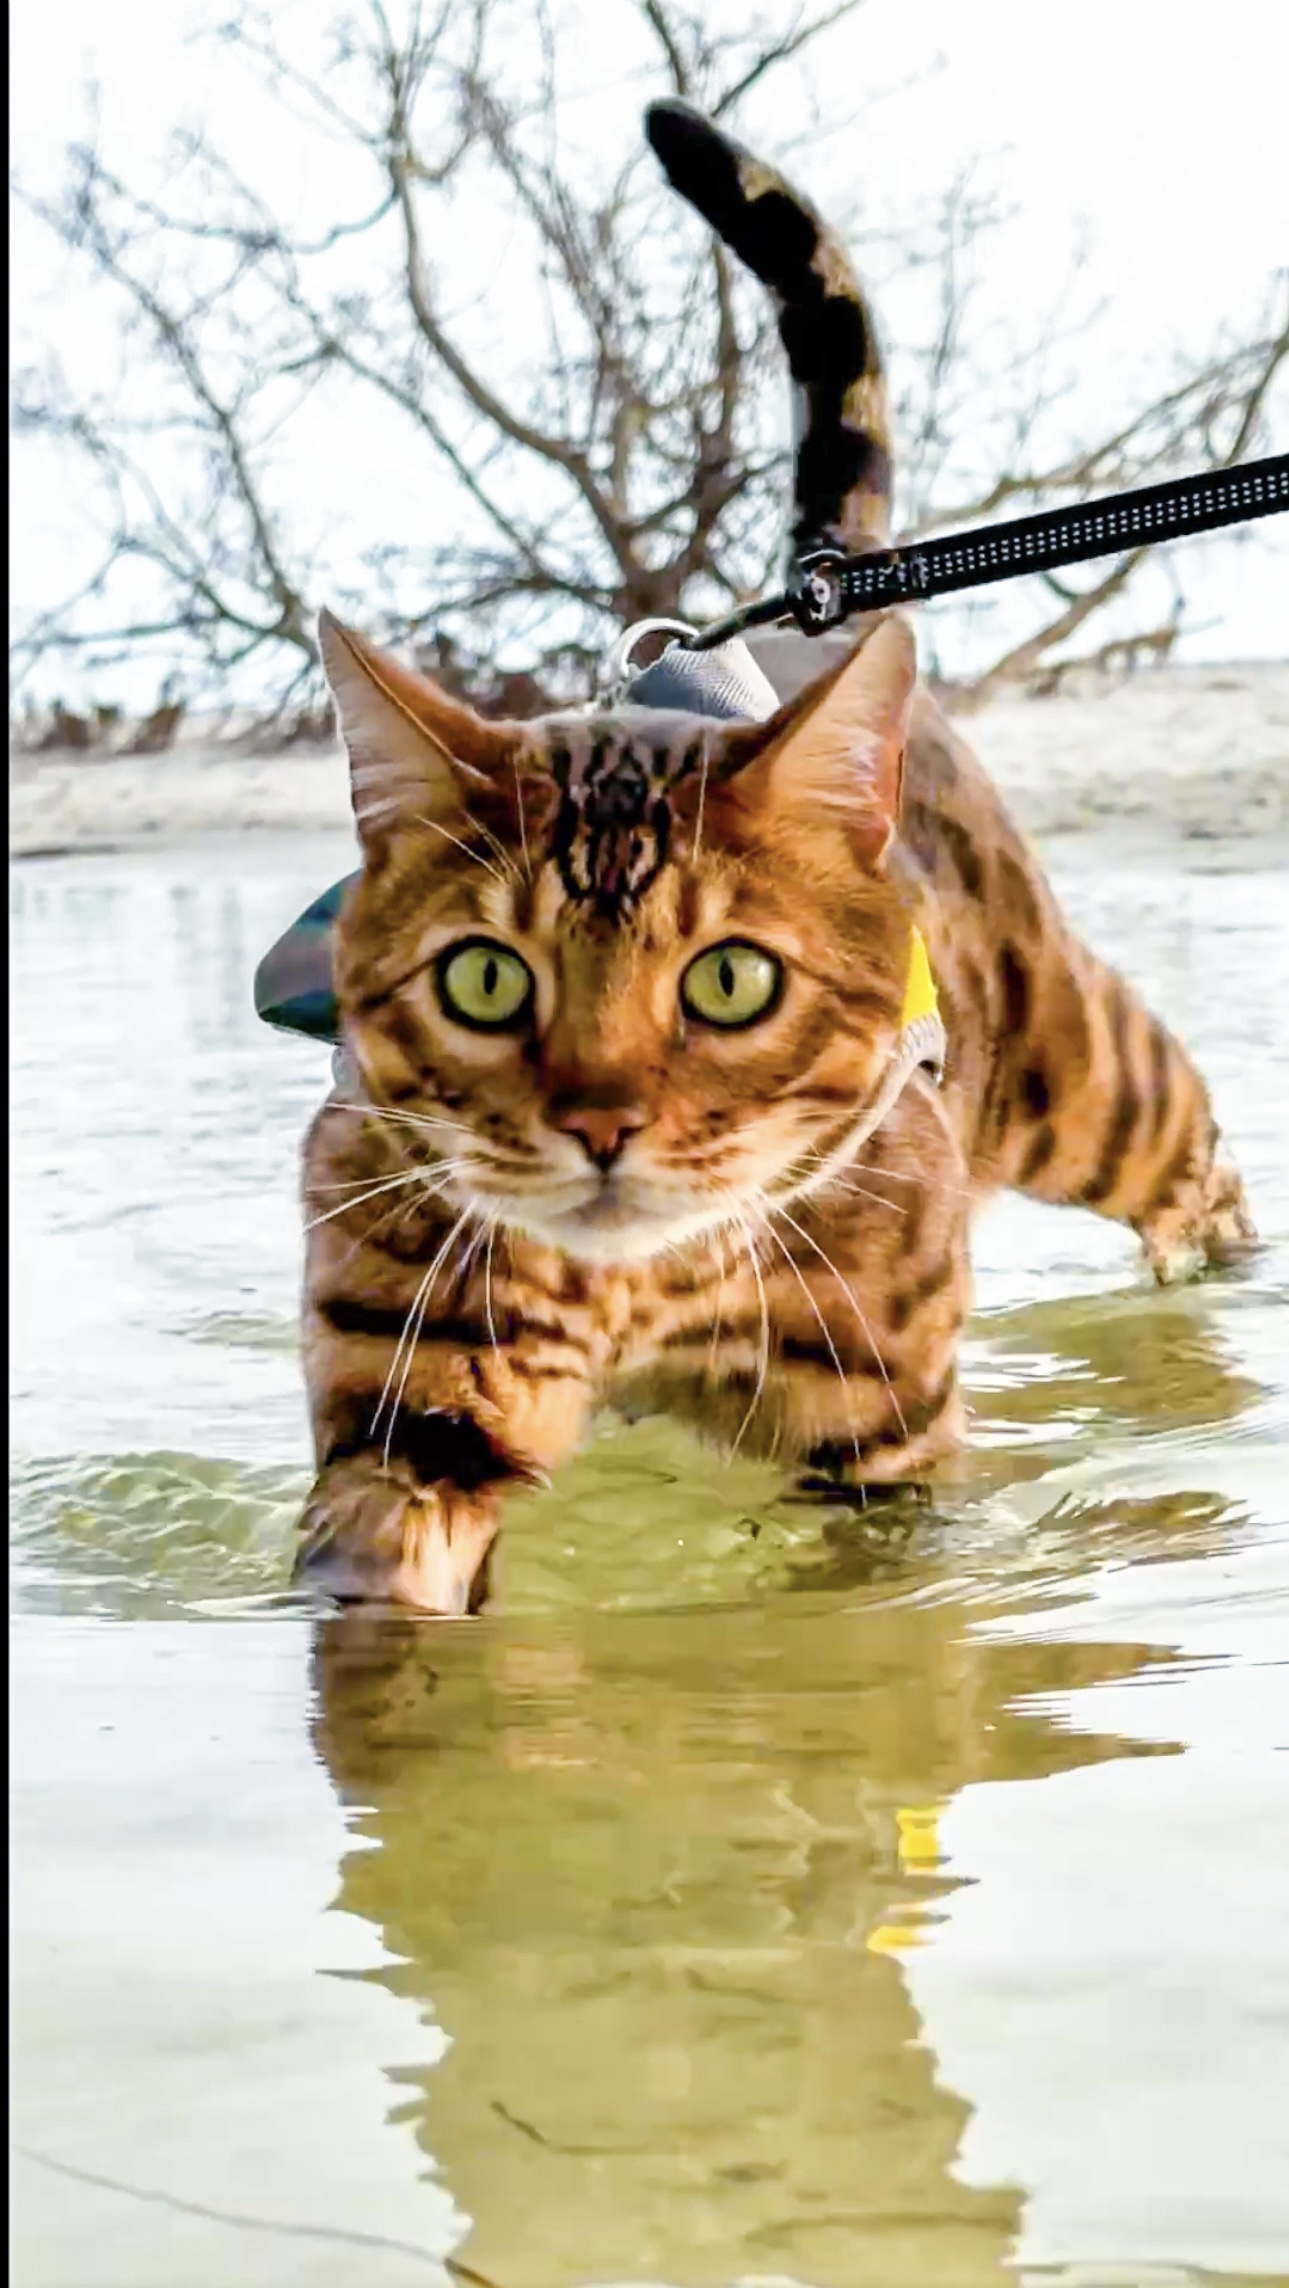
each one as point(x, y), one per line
point(1197, 755)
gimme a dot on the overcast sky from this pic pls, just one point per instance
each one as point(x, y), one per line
point(1153, 129)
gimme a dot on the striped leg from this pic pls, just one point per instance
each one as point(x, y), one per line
point(440, 1375)
point(1098, 1105)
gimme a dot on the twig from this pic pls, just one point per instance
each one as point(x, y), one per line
point(340, 2234)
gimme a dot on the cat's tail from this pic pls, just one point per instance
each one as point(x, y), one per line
point(842, 490)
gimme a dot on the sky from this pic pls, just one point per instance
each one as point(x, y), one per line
point(1150, 132)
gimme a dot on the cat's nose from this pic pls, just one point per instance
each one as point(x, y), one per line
point(602, 1130)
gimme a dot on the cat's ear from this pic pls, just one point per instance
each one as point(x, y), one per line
point(837, 751)
point(413, 752)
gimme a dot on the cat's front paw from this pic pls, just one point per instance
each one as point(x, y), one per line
point(371, 1533)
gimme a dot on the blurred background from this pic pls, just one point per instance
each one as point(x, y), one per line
point(387, 306)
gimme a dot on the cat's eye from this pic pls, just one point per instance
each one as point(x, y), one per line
point(483, 984)
point(731, 984)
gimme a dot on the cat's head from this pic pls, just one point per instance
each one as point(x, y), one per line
point(630, 974)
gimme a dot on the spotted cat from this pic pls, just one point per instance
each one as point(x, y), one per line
point(624, 1110)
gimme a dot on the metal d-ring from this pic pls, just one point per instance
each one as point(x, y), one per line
point(619, 668)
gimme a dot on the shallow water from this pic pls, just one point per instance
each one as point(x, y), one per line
point(754, 1895)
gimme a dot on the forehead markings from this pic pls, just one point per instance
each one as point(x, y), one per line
point(613, 825)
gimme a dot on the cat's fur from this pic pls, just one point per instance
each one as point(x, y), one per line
point(619, 1201)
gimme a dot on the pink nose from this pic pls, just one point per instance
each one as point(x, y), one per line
point(602, 1130)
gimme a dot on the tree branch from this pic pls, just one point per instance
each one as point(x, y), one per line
point(622, 460)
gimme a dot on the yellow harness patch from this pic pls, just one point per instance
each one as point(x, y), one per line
point(922, 1035)
point(920, 996)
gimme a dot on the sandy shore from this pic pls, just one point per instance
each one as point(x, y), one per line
point(1198, 753)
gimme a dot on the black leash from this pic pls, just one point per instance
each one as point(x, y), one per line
point(826, 586)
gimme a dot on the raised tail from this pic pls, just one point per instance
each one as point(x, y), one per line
point(842, 485)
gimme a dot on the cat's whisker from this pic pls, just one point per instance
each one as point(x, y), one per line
point(822, 1156)
point(463, 847)
point(431, 1177)
point(505, 857)
point(355, 1184)
point(393, 1364)
point(718, 1238)
point(394, 1116)
point(476, 1242)
point(426, 1168)
point(862, 1192)
point(797, 1273)
point(493, 1222)
point(763, 1361)
point(374, 1191)
point(373, 1231)
point(702, 798)
point(502, 1160)
point(412, 1332)
point(898, 1176)
point(851, 1298)
point(523, 823)
point(421, 1295)
point(413, 1337)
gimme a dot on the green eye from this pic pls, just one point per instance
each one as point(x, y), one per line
point(731, 984)
point(484, 985)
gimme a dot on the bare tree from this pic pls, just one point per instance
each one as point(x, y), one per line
point(625, 467)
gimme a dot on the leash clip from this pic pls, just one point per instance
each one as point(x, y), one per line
point(817, 590)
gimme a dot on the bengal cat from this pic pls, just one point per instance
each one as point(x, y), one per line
point(621, 997)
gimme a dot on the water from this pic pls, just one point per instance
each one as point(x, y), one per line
point(755, 1895)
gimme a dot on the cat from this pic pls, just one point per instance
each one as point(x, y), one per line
point(623, 998)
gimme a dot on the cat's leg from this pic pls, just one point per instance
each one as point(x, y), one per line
point(433, 1391)
point(1094, 1103)
point(406, 1504)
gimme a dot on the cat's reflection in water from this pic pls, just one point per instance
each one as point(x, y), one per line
point(653, 1874)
